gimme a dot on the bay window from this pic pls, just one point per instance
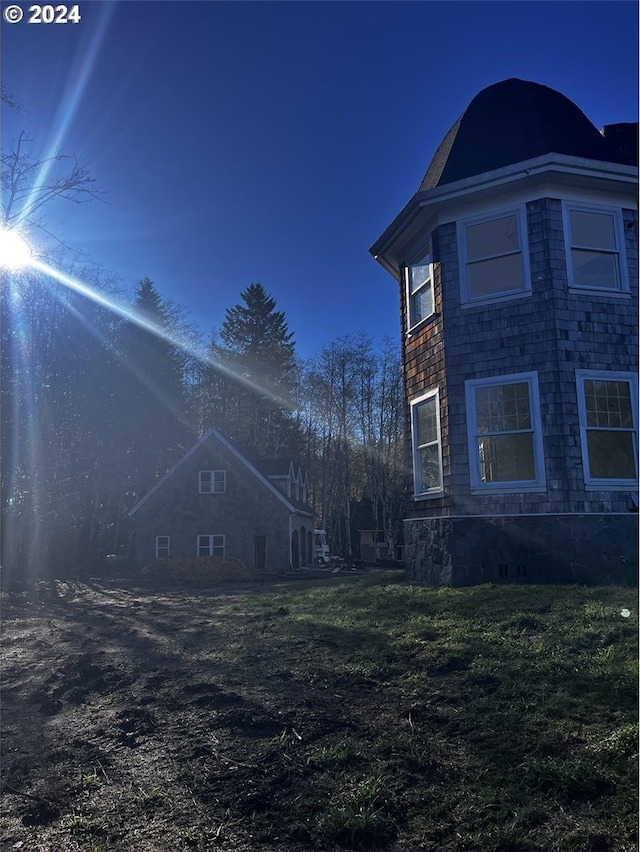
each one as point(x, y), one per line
point(420, 291)
point(504, 433)
point(607, 407)
point(493, 256)
point(427, 445)
point(594, 237)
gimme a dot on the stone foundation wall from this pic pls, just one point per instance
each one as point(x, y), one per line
point(465, 551)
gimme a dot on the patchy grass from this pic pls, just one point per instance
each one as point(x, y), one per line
point(347, 714)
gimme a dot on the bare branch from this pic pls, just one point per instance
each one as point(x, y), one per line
point(24, 195)
point(9, 100)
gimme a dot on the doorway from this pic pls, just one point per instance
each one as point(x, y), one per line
point(260, 552)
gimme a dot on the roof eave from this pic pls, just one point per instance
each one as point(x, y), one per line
point(577, 169)
point(214, 433)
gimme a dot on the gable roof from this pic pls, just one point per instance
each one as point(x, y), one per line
point(294, 506)
point(512, 121)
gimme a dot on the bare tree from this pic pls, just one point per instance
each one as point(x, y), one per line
point(354, 436)
point(53, 358)
point(29, 184)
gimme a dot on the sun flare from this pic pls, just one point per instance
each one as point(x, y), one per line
point(15, 252)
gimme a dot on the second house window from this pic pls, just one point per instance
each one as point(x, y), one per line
point(213, 481)
point(210, 545)
point(162, 547)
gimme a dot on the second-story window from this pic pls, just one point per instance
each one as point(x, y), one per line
point(492, 256)
point(594, 236)
point(213, 481)
point(420, 291)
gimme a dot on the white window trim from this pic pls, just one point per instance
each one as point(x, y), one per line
point(518, 486)
point(520, 212)
point(606, 376)
point(432, 492)
point(616, 213)
point(210, 544)
point(213, 489)
point(166, 547)
point(412, 327)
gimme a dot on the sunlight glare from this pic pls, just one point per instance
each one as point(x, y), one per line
point(15, 252)
point(79, 76)
point(131, 315)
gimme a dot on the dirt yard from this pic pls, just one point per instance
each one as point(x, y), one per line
point(343, 713)
point(154, 721)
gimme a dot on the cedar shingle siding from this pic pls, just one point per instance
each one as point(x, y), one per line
point(560, 529)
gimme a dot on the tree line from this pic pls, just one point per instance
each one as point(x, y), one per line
point(97, 404)
point(96, 408)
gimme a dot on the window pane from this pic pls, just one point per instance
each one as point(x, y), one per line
point(594, 269)
point(418, 276)
point(499, 236)
point(506, 458)
point(219, 480)
point(429, 459)
point(608, 404)
point(503, 408)
point(611, 455)
point(426, 422)
point(497, 275)
point(205, 481)
point(421, 305)
point(593, 230)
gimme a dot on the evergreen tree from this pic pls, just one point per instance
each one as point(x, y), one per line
point(151, 400)
point(259, 335)
point(252, 376)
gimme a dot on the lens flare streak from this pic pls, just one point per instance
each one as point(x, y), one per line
point(130, 315)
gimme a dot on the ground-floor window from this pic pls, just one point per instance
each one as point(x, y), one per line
point(162, 546)
point(210, 545)
point(426, 443)
point(505, 433)
point(608, 410)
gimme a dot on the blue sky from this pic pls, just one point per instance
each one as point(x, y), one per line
point(274, 142)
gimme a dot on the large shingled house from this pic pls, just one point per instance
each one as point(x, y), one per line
point(517, 265)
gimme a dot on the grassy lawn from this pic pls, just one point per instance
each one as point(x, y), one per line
point(507, 719)
point(347, 714)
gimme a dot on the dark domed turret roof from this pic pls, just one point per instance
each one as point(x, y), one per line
point(512, 121)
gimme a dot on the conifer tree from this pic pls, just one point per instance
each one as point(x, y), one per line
point(256, 376)
point(152, 402)
point(259, 334)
